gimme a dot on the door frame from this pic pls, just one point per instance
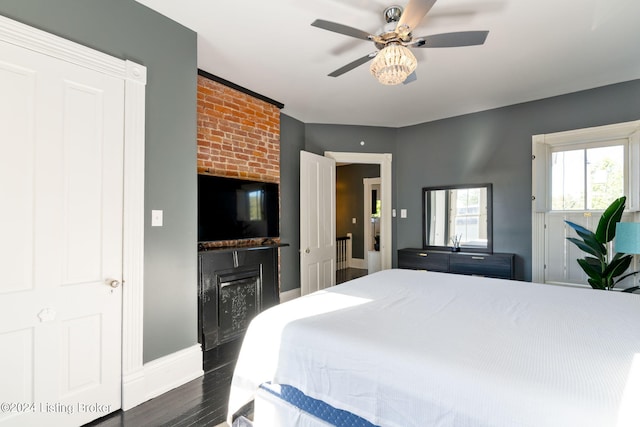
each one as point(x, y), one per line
point(134, 77)
point(366, 215)
point(384, 160)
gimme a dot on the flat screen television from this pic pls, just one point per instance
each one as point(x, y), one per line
point(233, 209)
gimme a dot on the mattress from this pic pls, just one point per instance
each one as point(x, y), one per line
point(404, 348)
point(279, 405)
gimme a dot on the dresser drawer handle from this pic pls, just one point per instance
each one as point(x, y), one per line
point(477, 257)
point(423, 254)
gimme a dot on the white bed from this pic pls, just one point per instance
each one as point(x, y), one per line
point(403, 348)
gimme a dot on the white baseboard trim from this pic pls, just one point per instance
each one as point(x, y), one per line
point(133, 391)
point(357, 263)
point(171, 371)
point(289, 295)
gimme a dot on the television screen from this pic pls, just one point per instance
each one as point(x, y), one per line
point(231, 209)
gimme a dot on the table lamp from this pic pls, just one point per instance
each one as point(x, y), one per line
point(627, 238)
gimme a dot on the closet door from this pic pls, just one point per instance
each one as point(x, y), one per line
point(61, 179)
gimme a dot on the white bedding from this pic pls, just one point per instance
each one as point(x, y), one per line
point(405, 348)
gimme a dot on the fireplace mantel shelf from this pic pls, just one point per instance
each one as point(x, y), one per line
point(203, 248)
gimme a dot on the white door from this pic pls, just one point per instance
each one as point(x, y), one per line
point(317, 222)
point(61, 179)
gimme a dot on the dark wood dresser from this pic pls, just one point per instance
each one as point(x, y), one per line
point(498, 265)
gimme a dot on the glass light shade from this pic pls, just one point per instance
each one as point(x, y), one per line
point(393, 64)
point(627, 237)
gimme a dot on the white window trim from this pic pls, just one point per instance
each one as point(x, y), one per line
point(543, 145)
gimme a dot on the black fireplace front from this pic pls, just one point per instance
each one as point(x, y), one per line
point(234, 286)
point(238, 303)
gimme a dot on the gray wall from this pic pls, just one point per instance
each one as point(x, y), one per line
point(321, 137)
point(291, 142)
point(346, 138)
point(127, 30)
point(350, 203)
point(495, 146)
point(491, 146)
point(315, 138)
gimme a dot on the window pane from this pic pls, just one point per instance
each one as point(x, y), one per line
point(255, 205)
point(567, 180)
point(467, 215)
point(605, 176)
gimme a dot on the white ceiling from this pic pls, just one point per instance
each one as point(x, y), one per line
point(535, 49)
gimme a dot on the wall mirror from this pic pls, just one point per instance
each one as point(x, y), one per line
point(460, 212)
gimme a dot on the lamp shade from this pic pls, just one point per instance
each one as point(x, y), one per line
point(393, 64)
point(627, 237)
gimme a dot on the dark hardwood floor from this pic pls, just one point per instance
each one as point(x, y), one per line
point(201, 402)
point(347, 274)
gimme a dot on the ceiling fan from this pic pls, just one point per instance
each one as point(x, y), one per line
point(393, 61)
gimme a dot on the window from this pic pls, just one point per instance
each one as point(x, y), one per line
point(376, 214)
point(468, 206)
point(576, 174)
point(587, 178)
point(256, 203)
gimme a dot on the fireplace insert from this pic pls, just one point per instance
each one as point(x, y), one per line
point(235, 284)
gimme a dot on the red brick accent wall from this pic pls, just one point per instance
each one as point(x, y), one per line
point(238, 135)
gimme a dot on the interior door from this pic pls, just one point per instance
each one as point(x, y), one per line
point(61, 179)
point(317, 222)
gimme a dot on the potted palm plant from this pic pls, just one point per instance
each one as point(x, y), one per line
point(602, 266)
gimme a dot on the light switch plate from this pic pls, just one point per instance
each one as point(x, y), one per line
point(156, 218)
point(353, 220)
point(403, 213)
point(393, 213)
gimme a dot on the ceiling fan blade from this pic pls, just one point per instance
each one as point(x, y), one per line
point(410, 78)
point(341, 29)
point(353, 65)
point(457, 39)
point(413, 14)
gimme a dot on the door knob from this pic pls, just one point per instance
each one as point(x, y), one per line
point(308, 250)
point(47, 315)
point(113, 283)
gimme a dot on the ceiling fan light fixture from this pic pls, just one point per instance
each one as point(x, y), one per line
point(393, 64)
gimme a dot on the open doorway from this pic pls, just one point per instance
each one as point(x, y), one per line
point(353, 229)
point(383, 160)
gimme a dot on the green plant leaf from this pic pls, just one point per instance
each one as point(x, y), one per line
point(597, 246)
point(593, 272)
point(595, 262)
point(617, 267)
point(596, 284)
point(589, 239)
point(627, 275)
point(606, 230)
point(618, 255)
point(584, 247)
point(579, 229)
point(631, 289)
